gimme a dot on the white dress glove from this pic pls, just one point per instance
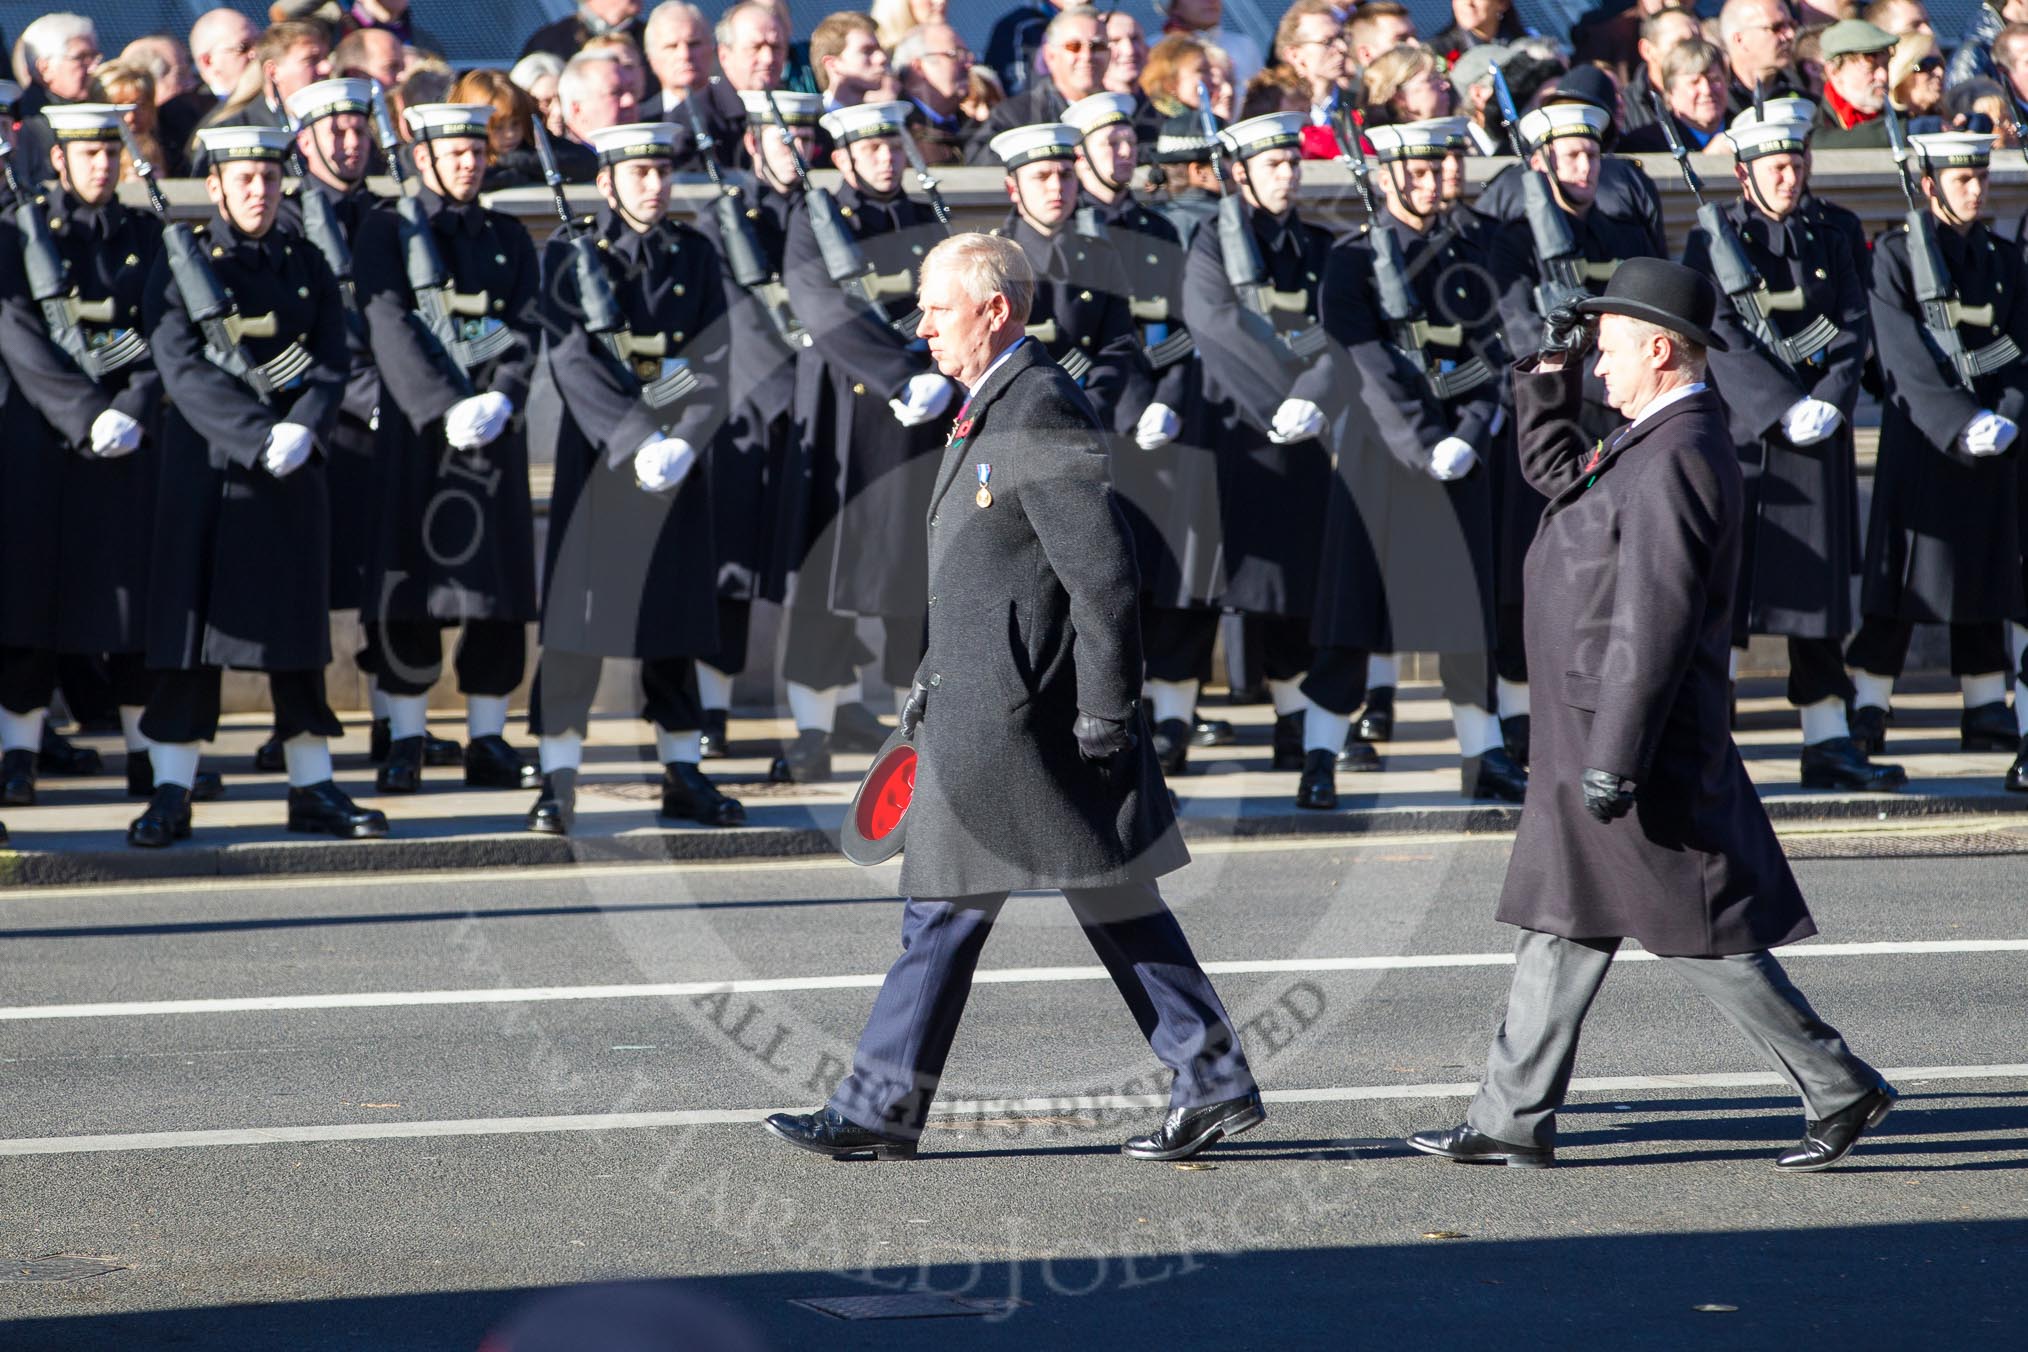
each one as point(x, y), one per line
point(1296, 420)
point(1809, 421)
point(923, 398)
point(472, 423)
point(1987, 434)
point(1158, 426)
point(663, 463)
point(1452, 458)
point(114, 434)
point(288, 446)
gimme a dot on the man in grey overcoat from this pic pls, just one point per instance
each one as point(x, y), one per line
point(1034, 770)
point(1640, 821)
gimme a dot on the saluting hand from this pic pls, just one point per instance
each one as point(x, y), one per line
point(1606, 796)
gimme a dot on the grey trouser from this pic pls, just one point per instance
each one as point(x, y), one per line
point(1529, 1064)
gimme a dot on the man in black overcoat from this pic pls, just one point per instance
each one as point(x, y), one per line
point(1034, 767)
point(1641, 822)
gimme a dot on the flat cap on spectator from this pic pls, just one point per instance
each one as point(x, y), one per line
point(1855, 37)
point(1474, 65)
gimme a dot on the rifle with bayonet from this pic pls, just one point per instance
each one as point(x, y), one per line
point(210, 306)
point(1930, 279)
point(745, 257)
point(429, 281)
point(48, 276)
point(1562, 281)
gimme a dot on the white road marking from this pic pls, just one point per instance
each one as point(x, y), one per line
point(1005, 976)
point(1901, 1076)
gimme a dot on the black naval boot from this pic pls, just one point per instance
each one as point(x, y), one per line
point(141, 779)
point(1361, 758)
point(1172, 746)
point(713, 739)
point(1868, 725)
point(492, 764)
point(687, 792)
point(165, 821)
point(378, 739)
point(17, 778)
point(1376, 720)
point(1211, 731)
point(323, 809)
point(2017, 773)
point(268, 758)
point(61, 756)
point(1838, 763)
point(438, 752)
point(1514, 732)
point(555, 810)
point(1493, 777)
point(807, 760)
point(1990, 727)
point(401, 769)
point(1318, 788)
point(1287, 742)
point(857, 728)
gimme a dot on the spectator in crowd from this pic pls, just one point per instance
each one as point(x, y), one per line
point(1899, 17)
point(1016, 42)
point(62, 50)
point(935, 70)
point(1612, 34)
point(983, 93)
point(1760, 45)
point(511, 161)
point(167, 62)
point(1967, 104)
point(1175, 64)
point(594, 18)
point(753, 55)
point(626, 57)
point(124, 81)
point(425, 81)
point(1474, 22)
point(850, 63)
point(1694, 84)
point(677, 43)
point(396, 17)
point(1205, 20)
point(375, 54)
point(535, 75)
point(1377, 27)
point(1659, 32)
point(1855, 87)
point(1915, 82)
point(1974, 54)
point(1311, 41)
point(221, 44)
point(1809, 60)
point(1074, 65)
point(1812, 12)
point(594, 93)
point(1126, 53)
point(1275, 90)
point(1476, 97)
point(894, 20)
point(1408, 83)
point(289, 55)
point(2010, 61)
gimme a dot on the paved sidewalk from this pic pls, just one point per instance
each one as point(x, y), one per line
point(76, 833)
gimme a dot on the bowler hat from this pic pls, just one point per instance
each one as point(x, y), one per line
point(1679, 299)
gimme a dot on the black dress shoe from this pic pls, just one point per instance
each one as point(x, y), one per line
point(856, 728)
point(1318, 788)
point(378, 740)
point(165, 820)
point(441, 751)
point(1185, 1131)
point(1514, 732)
point(1212, 731)
point(1868, 725)
point(401, 771)
point(1990, 727)
point(1288, 742)
point(17, 778)
point(2017, 773)
point(826, 1133)
point(1838, 763)
point(555, 809)
point(492, 764)
point(61, 756)
point(1257, 693)
point(713, 738)
point(1376, 720)
point(689, 793)
point(208, 786)
point(268, 758)
point(1357, 757)
point(1466, 1144)
point(1172, 746)
point(1830, 1139)
point(1494, 777)
point(323, 809)
point(807, 760)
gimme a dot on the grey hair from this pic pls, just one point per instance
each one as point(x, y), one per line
point(1689, 352)
point(988, 266)
point(533, 67)
point(909, 51)
point(668, 12)
point(722, 33)
point(1053, 34)
point(571, 83)
point(50, 34)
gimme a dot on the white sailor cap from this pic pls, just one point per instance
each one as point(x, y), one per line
point(223, 144)
point(328, 98)
point(86, 121)
point(864, 121)
point(798, 109)
point(1258, 135)
point(10, 93)
point(1554, 120)
point(447, 121)
point(1777, 110)
point(1017, 146)
point(1751, 140)
point(1093, 111)
point(635, 141)
point(1954, 149)
point(1431, 139)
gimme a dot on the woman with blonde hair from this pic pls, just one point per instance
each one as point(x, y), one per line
point(1176, 65)
point(1408, 83)
point(127, 82)
point(1915, 82)
point(893, 18)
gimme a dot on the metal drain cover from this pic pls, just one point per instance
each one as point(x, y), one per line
point(908, 1305)
point(57, 1267)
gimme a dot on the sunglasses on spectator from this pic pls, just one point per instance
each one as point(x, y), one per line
point(1929, 65)
point(1079, 46)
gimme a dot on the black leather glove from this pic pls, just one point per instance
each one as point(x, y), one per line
point(1100, 738)
point(1606, 796)
point(1565, 332)
point(913, 708)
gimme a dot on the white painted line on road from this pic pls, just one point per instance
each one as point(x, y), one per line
point(1005, 976)
point(1901, 1076)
